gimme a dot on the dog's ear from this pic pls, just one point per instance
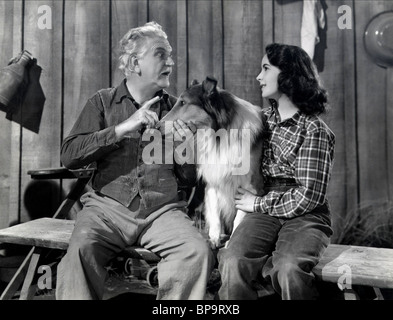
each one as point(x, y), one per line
point(194, 82)
point(209, 85)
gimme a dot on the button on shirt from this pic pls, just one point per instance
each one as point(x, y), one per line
point(122, 173)
point(302, 148)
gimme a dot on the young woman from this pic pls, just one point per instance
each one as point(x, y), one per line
point(286, 230)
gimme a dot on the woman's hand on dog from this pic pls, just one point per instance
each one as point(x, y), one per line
point(244, 200)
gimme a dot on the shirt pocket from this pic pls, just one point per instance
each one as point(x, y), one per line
point(290, 149)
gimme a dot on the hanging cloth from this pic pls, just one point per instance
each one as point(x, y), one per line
point(312, 18)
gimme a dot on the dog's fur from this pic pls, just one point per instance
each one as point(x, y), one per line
point(210, 107)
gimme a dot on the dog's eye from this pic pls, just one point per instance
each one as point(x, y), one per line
point(182, 102)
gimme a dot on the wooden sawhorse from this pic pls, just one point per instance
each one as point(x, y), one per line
point(82, 176)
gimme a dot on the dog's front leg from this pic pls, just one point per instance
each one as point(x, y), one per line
point(212, 216)
point(239, 217)
point(240, 214)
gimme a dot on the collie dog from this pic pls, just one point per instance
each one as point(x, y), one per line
point(229, 150)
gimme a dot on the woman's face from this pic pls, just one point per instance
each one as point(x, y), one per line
point(268, 80)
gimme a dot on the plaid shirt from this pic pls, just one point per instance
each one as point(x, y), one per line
point(302, 148)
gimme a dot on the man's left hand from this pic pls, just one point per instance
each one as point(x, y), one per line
point(182, 129)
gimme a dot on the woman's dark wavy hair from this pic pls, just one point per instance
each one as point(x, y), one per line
point(298, 79)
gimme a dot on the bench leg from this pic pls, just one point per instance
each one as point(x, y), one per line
point(17, 279)
point(28, 290)
point(350, 294)
point(379, 294)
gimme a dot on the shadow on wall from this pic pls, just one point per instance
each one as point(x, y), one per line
point(42, 198)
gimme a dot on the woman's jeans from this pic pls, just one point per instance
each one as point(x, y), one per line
point(284, 252)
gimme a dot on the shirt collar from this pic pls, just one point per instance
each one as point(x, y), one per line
point(295, 119)
point(122, 92)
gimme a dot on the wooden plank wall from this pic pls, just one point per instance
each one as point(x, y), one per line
point(373, 107)
point(10, 142)
point(37, 149)
point(224, 38)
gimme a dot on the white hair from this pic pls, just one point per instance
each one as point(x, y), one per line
point(133, 44)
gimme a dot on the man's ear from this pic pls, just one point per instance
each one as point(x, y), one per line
point(209, 85)
point(133, 64)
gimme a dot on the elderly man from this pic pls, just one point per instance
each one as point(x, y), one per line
point(132, 202)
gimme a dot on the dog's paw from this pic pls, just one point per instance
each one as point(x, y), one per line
point(218, 242)
point(214, 238)
point(214, 244)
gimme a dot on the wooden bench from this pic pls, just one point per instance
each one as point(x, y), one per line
point(346, 266)
point(45, 234)
point(54, 233)
point(349, 266)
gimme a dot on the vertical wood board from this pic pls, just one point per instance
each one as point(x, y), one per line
point(42, 149)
